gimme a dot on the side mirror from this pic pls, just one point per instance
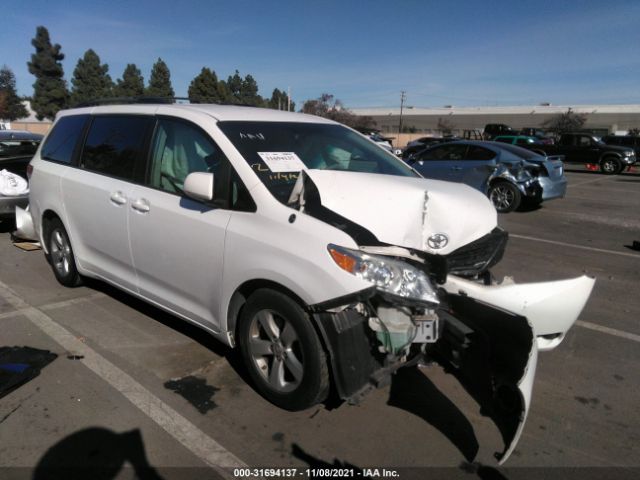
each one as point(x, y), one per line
point(199, 186)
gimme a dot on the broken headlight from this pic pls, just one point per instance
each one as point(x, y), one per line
point(391, 276)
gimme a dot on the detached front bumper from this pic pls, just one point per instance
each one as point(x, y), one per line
point(488, 338)
point(491, 352)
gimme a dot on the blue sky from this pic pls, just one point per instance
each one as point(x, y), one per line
point(439, 52)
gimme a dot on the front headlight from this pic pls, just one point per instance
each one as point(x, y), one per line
point(391, 276)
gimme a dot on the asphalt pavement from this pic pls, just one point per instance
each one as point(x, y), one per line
point(150, 396)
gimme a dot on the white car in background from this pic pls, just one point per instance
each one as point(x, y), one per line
point(297, 240)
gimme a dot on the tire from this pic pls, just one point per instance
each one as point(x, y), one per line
point(282, 351)
point(61, 255)
point(504, 196)
point(611, 165)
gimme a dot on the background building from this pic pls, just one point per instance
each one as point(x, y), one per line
point(29, 123)
point(601, 119)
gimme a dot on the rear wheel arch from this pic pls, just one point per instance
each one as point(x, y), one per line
point(47, 217)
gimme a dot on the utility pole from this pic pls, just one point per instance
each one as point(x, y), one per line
point(288, 99)
point(403, 97)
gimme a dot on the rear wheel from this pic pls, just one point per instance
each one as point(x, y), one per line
point(282, 351)
point(504, 196)
point(611, 165)
point(61, 255)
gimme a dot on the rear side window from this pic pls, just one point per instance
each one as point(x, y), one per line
point(479, 153)
point(115, 146)
point(445, 152)
point(62, 140)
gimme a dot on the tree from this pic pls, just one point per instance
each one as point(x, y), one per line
point(160, 81)
point(445, 125)
point(90, 79)
point(205, 88)
point(50, 90)
point(243, 91)
point(565, 122)
point(329, 107)
point(11, 107)
point(131, 84)
point(634, 132)
point(279, 100)
point(249, 92)
point(234, 87)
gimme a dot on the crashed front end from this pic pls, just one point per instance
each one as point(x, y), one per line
point(423, 306)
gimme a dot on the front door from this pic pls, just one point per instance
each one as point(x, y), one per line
point(178, 243)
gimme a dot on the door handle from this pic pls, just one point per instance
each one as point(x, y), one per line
point(118, 198)
point(141, 205)
point(456, 168)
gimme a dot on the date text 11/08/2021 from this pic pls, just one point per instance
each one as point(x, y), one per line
point(247, 473)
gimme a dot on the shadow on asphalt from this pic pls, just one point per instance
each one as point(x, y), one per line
point(316, 463)
point(97, 454)
point(199, 395)
point(413, 392)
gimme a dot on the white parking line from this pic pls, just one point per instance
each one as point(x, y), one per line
point(610, 331)
point(573, 245)
point(55, 305)
point(185, 432)
point(593, 180)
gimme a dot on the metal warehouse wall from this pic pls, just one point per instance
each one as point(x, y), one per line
point(609, 118)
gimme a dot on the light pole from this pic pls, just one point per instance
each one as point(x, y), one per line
point(402, 99)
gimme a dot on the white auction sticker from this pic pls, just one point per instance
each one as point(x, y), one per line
point(282, 161)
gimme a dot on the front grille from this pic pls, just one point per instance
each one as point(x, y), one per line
point(478, 256)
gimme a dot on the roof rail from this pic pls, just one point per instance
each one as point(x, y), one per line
point(133, 100)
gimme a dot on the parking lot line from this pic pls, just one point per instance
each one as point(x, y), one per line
point(55, 305)
point(176, 425)
point(573, 245)
point(593, 180)
point(610, 331)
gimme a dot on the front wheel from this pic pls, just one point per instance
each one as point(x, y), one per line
point(504, 196)
point(611, 165)
point(282, 351)
point(61, 255)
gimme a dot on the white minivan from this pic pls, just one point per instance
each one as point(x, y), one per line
point(328, 261)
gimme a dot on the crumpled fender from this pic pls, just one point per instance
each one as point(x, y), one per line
point(502, 171)
point(551, 307)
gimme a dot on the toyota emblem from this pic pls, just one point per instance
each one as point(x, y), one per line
point(437, 241)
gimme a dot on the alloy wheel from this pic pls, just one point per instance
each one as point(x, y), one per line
point(61, 255)
point(502, 197)
point(274, 347)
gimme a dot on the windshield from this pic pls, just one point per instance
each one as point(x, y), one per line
point(277, 151)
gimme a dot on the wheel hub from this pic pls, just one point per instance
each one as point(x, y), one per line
point(278, 350)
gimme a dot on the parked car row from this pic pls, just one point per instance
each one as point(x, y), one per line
point(17, 147)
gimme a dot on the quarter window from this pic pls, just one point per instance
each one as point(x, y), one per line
point(62, 140)
point(115, 146)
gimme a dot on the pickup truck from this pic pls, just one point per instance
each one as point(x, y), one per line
point(584, 149)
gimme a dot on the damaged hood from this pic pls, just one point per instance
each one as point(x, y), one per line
point(403, 211)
